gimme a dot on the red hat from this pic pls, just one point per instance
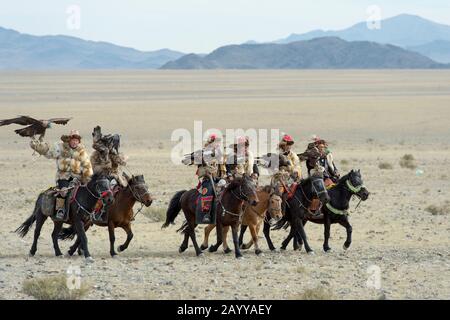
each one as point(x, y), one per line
point(288, 138)
point(212, 137)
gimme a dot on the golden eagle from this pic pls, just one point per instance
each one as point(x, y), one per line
point(33, 126)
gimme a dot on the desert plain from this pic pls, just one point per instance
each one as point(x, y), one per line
point(370, 118)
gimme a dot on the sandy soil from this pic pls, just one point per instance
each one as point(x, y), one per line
point(369, 116)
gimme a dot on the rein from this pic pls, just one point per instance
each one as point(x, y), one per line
point(225, 211)
point(138, 198)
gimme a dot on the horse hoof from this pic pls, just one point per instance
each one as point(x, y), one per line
point(89, 260)
point(327, 249)
point(181, 250)
point(283, 248)
point(258, 252)
point(240, 257)
point(119, 249)
point(31, 254)
point(346, 247)
point(202, 247)
point(311, 252)
point(200, 254)
point(227, 250)
point(212, 249)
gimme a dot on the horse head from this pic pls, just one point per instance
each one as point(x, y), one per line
point(318, 188)
point(139, 189)
point(355, 184)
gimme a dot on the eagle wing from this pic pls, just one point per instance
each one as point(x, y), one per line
point(22, 120)
point(30, 131)
point(59, 120)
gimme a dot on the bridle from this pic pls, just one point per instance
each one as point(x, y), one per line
point(138, 197)
point(241, 196)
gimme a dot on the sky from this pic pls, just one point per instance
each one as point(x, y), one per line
point(199, 26)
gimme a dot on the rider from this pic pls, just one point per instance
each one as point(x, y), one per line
point(208, 160)
point(72, 162)
point(240, 160)
point(107, 161)
point(106, 158)
point(294, 168)
point(331, 174)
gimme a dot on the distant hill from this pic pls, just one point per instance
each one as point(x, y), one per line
point(321, 53)
point(28, 52)
point(404, 30)
point(408, 31)
point(438, 50)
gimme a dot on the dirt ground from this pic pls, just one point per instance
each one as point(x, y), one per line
point(369, 117)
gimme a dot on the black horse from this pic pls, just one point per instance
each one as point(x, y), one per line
point(336, 210)
point(80, 208)
point(296, 209)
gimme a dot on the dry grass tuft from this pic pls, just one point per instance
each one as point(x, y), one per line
point(53, 288)
point(317, 293)
point(408, 161)
point(385, 166)
point(155, 214)
point(439, 210)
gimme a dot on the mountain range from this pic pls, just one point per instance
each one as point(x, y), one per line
point(318, 53)
point(404, 41)
point(411, 32)
point(27, 52)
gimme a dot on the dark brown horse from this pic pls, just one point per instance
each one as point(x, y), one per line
point(228, 211)
point(81, 206)
point(269, 207)
point(120, 214)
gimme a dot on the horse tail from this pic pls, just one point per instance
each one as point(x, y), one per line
point(25, 227)
point(183, 227)
point(173, 209)
point(282, 223)
point(67, 233)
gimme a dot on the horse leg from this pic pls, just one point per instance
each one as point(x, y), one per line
point(219, 229)
point(298, 242)
point(79, 227)
point(112, 239)
point(184, 244)
point(130, 235)
point(208, 230)
point(344, 222)
point(266, 231)
point(40, 219)
point(241, 235)
point(56, 230)
point(226, 249)
point(254, 233)
point(234, 231)
point(191, 230)
point(74, 247)
point(288, 238)
point(301, 230)
point(326, 233)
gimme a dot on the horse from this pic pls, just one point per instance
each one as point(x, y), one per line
point(296, 208)
point(120, 214)
point(269, 204)
point(228, 211)
point(336, 210)
point(81, 205)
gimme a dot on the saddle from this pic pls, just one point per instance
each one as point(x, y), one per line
point(48, 202)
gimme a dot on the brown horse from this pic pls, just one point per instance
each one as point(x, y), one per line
point(120, 214)
point(228, 211)
point(269, 203)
